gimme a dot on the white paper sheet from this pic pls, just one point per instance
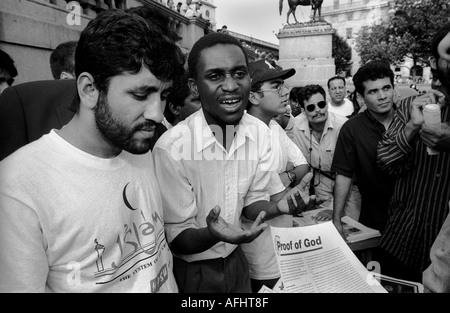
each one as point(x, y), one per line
point(315, 259)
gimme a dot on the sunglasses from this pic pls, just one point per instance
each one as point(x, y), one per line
point(311, 107)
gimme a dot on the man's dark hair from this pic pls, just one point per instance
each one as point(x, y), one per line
point(372, 71)
point(177, 96)
point(7, 64)
point(293, 94)
point(437, 38)
point(62, 59)
point(151, 15)
point(208, 41)
point(306, 92)
point(335, 78)
point(117, 42)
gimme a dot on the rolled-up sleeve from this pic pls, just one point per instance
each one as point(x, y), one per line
point(394, 152)
point(344, 160)
point(266, 180)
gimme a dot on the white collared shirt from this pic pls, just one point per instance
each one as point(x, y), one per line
point(196, 173)
point(318, 152)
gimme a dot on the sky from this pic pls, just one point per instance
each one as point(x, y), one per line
point(259, 19)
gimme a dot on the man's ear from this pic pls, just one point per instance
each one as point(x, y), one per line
point(174, 109)
point(193, 87)
point(86, 89)
point(66, 75)
point(253, 98)
point(361, 98)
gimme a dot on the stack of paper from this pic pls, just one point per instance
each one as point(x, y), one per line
point(315, 259)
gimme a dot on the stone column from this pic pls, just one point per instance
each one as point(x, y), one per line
point(307, 48)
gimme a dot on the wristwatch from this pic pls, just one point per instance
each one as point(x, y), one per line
point(292, 177)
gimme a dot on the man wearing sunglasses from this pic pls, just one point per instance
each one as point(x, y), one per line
point(315, 132)
point(356, 148)
point(7, 71)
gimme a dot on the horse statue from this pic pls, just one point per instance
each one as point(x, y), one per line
point(316, 5)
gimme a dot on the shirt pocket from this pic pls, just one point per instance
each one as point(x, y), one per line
point(243, 186)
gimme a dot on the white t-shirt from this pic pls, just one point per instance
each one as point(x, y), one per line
point(73, 222)
point(345, 109)
point(260, 253)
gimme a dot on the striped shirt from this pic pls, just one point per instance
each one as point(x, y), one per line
point(418, 207)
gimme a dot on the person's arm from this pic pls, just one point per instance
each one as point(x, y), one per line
point(295, 157)
point(292, 202)
point(342, 187)
point(344, 164)
point(394, 151)
point(24, 264)
point(197, 240)
point(298, 171)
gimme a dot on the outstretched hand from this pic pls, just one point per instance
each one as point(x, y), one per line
point(233, 234)
point(298, 200)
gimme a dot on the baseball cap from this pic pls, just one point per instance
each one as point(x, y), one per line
point(262, 70)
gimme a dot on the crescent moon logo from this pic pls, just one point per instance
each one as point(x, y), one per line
point(125, 200)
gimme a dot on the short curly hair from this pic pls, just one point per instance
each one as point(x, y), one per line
point(117, 42)
point(372, 71)
point(208, 41)
point(306, 92)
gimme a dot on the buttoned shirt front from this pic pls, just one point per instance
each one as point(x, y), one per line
point(196, 173)
point(318, 154)
point(419, 204)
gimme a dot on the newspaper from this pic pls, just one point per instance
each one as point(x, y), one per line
point(353, 230)
point(315, 259)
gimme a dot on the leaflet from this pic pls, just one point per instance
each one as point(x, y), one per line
point(315, 259)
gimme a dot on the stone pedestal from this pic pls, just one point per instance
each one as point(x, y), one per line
point(307, 48)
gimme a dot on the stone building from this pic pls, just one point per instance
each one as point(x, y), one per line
point(31, 29)
point(348, 17)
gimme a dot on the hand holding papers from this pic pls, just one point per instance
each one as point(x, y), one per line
point(298, 199)
point(316, 259)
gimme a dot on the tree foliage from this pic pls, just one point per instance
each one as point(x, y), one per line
point(376, 44)
point(408, 33)
point(342, 54)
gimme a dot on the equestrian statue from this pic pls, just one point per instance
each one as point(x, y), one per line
point(316, 5)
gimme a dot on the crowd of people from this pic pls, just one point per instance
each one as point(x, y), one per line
point(137, 165)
